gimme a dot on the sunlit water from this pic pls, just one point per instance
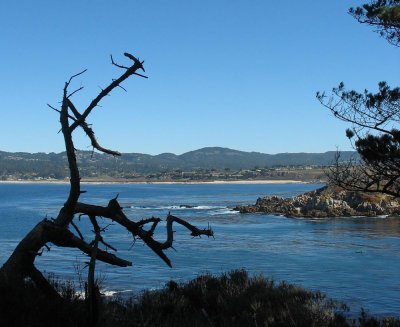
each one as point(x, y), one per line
point(353, 260)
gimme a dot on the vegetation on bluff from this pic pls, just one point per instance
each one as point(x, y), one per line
point(232, 299)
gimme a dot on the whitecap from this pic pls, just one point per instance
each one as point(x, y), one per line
point(114, 293)
point(224, 211)
point(178, 207)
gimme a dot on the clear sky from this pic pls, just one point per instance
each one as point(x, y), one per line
point(233, 73)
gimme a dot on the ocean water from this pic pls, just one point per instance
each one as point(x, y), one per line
point(355, 260)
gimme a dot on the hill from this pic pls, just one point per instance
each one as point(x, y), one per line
point(54, 165)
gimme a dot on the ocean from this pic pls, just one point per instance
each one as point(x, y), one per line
point(354, 260)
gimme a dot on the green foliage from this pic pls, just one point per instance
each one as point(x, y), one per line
point(384, 15)
point(382, 149)
point(374, 116)
point(369, 111)
point(349, 133)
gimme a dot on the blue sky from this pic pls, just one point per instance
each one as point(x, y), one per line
point(238, 74)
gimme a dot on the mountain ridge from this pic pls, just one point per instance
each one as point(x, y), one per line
point(93, 163)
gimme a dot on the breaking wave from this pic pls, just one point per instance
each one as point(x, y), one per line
point(207, 210)
point(178, 207)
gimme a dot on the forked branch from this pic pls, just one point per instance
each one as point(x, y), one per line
point(129, 71)
point(114, 212)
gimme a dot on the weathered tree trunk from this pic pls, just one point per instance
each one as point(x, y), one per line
point(19, 265)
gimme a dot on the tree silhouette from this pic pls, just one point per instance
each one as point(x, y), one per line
point(374, 117)
point(20, 264)
point(383, 15)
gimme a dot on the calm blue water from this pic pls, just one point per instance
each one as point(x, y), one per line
point(353, 260)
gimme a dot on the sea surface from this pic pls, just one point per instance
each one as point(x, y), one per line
point(355, 260)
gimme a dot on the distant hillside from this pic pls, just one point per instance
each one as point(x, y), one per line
point(220, 158)
point(25, 165)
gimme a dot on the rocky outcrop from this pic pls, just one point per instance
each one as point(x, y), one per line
point(326, 202)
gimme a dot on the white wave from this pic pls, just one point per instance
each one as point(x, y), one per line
point(179, 207)
point(113, 293)
point(225, 211)
point(107, 293)
point(208, 207)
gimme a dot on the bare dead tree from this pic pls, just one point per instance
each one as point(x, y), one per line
point(21, 264)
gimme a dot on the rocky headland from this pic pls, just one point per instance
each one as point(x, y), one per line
point(328, 201)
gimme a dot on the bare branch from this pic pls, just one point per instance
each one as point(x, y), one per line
point(77, 230)
point(148, 220)
point(140, 75)
point(59, 111)
point(130, 71)
point(194, 230)
point(89, 132)
point(64, 238)
point(55, 109)
point(72, 93)
point(117, 65)
point(114, 212)
point(107, 245)
point(121, 87)
point(355, 176)
point(76, 75)
point(135, 60)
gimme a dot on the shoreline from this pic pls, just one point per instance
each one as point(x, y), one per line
point(215, 182)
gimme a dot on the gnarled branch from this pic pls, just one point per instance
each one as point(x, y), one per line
point(114, 212)
point(106, 91)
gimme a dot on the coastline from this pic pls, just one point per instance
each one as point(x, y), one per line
point(94, 182)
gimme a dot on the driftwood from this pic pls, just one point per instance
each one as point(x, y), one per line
point(20, 264)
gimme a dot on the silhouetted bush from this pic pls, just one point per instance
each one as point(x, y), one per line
point(232, 299)
point(28, 306)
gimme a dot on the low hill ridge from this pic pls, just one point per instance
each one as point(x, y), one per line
point(55, 164)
